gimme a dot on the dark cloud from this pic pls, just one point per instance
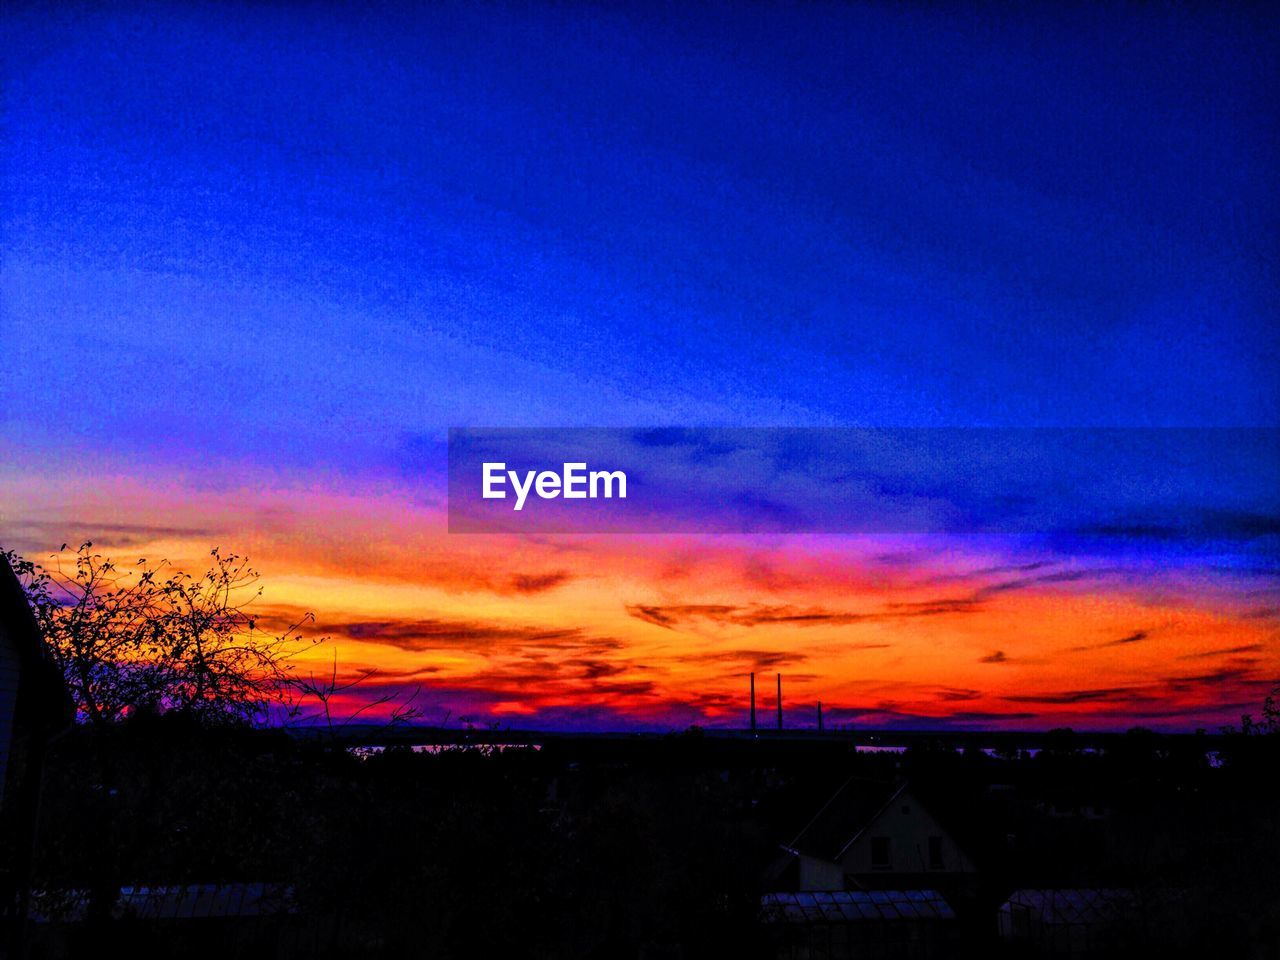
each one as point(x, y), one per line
point(1239, 523)
point(755, 615)
point(1224, 652)
point(427, 634)
point(889, 714)
point(673, 615)
point(951, 695)
point(759, 659)
point(38, 538)
point(591, 668)
point(1022, 583)
point(670, 615)
point(931, 608)
point(997, 657)
point(1207, 523)
point(1261, 613)
point(1074, 696)
point(1134, 531)
point(1015, 567)
point(1179, 713)
point(539, 582)
point(1228, 675)
point(1135, 637)
point(997, 570)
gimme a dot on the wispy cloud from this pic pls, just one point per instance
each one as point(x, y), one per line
point(1137, 636)
point(1224, 652)
point(539, 582)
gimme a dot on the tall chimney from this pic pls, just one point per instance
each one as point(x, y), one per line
point(779, 701)
point(753, 703)
point(819, 716)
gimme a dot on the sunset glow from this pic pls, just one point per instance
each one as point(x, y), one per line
point(253, 326)
point(661, 631)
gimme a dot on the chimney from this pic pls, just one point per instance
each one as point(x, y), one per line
point(753, 703)
point(779, 701)
point(819, 716)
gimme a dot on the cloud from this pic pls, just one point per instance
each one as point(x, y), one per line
point(538, 583)
point(671, 616)
point(930, 608)
point(434, 633)
point(1022, 583)
point(1164, 690)
point(1136, 637)
point(997, 657)
point(950, 695)
point(1261, 613)
point(39, 538)
point(982, 572)
point(1205, 523)
point(674, 615)
point(759, 659)
point(1241, 674)
point(593, 668)
point(757, 615)
point(1224, 651)
point(428, 634)
point(1074, 696)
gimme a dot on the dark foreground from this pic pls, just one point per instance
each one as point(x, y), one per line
point(163, 839)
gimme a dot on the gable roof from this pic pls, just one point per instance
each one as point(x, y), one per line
point(20, 626)
point(842, 819)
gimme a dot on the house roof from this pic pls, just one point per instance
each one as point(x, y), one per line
point(843, 818)
point(849, 906)
point(20, 625)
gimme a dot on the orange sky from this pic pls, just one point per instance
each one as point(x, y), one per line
point(661, 631)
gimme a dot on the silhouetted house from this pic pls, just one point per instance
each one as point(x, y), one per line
point(33, 706)
point(863, 924)
point(873, 835)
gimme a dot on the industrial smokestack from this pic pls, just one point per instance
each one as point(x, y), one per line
point(779, 701)
point(819, 716)
point(753, 703)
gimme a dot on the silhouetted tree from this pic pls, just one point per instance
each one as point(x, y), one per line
point(320, 691)
point(158, 638)
point(1270, 722)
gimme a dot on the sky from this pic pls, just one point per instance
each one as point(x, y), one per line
point(258, 259)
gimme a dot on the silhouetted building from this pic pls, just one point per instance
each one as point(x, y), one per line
point(1070, 923)
point(866, 924)
point(870, 835)
point(33, 706)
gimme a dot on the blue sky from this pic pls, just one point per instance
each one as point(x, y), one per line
point(386, 223)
